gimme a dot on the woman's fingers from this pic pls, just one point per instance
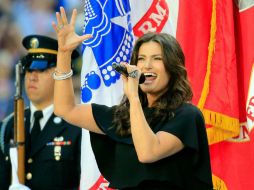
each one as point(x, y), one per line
point(59, 19)
point(129, 67)
point(73, 17)
point(85, 37)
point(63, 16)
point(68, 38)
point(54, 26)
point(62, 19)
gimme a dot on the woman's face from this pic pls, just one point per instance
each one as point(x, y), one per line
point(150, 62)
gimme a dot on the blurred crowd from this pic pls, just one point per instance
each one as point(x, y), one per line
point(19, 18)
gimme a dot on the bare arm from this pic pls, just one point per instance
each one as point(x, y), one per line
point(64, 98)
point(149, 146)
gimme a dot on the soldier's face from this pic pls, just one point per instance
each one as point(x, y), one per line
point(39, 87)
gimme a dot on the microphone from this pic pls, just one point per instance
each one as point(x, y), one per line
point(123, 71)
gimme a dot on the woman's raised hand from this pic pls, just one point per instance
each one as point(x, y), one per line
point(68, 40)
point(131, 82)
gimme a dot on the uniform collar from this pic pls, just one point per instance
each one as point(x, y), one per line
point(47, 112)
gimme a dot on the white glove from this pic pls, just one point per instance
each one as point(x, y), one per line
point(18, 187)
point(14, 165)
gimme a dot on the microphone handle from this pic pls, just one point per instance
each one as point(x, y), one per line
point(123, 71)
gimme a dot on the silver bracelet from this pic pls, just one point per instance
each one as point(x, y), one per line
point(62, 76)
point(60, 72)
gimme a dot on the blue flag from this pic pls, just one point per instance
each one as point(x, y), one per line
point(110, 24)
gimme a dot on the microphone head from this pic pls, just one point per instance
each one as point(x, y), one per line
point(120, 69)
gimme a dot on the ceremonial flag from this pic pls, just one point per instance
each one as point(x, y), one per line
point(217, 39)
point(109, 23)
point(232, 160)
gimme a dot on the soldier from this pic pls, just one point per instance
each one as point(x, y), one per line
point(52, 156)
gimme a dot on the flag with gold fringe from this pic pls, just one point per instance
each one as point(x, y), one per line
point(217, 39)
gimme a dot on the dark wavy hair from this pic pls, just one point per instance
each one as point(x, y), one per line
point(178, 92)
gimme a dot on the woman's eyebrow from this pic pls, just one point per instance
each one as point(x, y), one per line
point(154, 55)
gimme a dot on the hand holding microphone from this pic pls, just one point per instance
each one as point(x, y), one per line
point(123, 71)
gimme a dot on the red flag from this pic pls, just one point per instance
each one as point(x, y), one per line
point(233, 160)
point(206, 32)
point(217, 38)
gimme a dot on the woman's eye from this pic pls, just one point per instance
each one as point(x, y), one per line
point(158, 58)
point(140, 58)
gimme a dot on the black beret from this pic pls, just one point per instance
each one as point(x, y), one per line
point(42, 52)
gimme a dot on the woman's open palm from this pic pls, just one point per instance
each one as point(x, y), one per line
point(68, 39)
